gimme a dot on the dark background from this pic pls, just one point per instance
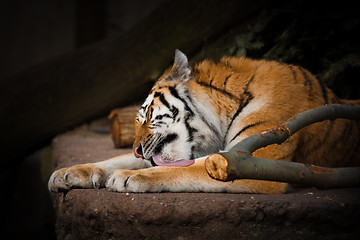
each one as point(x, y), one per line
point(33, 32)
point(320, 36)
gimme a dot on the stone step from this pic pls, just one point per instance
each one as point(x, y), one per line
point(306, 213)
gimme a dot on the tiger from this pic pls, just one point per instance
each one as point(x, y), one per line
point(193, 112)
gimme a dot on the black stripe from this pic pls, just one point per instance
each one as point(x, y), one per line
point(293, 72)
point(144, 113)
point(174, 92)
point(175, 111)
point(162, 99)
point(245, 100)
point(159, 117)
point(238, 111)
point(168, 139)
point(222, 91)
point(225, 82)
point(308, 81)
point(247, 97)
point(151, 91)
point(147, 139)
point(151, 112)
point(324, 91)
point(144, 110)
point(190, 130)
point(210, 126)
point(210, 85)
point(192, 152)
point(244, 129)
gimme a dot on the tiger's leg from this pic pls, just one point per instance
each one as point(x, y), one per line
point(192, 178)
point(92, 175)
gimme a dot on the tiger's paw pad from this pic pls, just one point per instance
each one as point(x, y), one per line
point(128, 181)
point(79, 176)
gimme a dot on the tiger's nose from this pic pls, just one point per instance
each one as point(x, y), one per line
point(139, 152)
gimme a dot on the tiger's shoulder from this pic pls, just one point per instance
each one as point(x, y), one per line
point(231, 75)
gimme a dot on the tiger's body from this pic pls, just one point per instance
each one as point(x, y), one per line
point(191, 113)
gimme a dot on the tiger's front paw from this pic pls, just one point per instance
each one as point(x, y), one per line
point(78, 176)
point(130, 181)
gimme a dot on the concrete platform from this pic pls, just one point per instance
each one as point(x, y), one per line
point(306, 213)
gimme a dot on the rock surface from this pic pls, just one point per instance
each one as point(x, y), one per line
point(306, 213)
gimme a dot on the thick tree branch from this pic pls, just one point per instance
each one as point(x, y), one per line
point(238, 163)
point(294, 124)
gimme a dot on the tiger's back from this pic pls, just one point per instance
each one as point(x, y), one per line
point(277, 92)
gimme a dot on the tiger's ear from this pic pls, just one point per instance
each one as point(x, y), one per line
point(181, 65)
point(180, 60)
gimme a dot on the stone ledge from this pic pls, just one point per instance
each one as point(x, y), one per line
point(305, 214)
point(100, 214)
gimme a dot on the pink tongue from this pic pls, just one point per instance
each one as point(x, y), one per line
point(180, 163)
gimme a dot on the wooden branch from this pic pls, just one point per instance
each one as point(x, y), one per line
point(122, 126)
point(238, 163)
point(60, 94)
point(235, 165)
point(294, 124)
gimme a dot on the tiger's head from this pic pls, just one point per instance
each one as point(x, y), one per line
point(170, 129)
